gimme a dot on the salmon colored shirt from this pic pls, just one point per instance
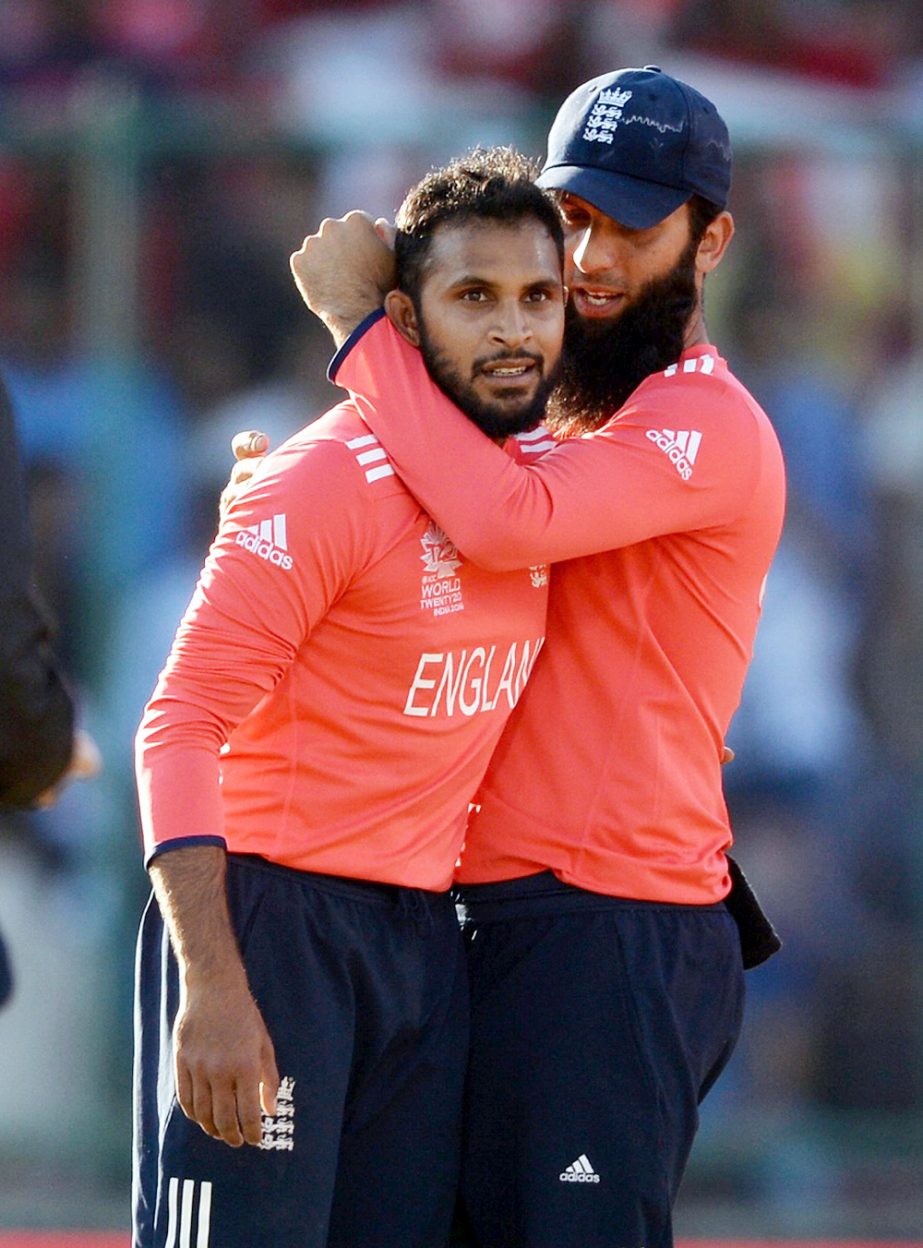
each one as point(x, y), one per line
point(661, 525)
point(341, 676)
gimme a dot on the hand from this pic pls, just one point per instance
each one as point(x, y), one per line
point(249, 448)
point(86, 762)
point(727, 755)
point(226, 1074)
point(344, 271)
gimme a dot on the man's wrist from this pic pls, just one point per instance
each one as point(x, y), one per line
point(225, 976)
point(342, 325)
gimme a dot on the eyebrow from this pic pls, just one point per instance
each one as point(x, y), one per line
point(472, 279)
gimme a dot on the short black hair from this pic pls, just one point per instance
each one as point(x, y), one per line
point(701, 214)
point(486, 184)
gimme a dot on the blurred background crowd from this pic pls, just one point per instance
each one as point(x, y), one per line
point(159, 160)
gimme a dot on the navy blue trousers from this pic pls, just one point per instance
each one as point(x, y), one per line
point(364, 993)
point(597, 1026)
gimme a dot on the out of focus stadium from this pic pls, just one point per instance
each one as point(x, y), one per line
point(159, 161)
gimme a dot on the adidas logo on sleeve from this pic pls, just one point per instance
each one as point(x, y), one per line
point(268, 540)
point(680, 447)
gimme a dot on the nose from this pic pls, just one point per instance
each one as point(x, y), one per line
point(590, 252)
point(511, 327)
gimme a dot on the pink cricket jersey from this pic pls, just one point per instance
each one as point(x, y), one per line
point(662, 525)
point(341, 676)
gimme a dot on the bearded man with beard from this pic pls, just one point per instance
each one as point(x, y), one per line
point(607, 929)
point(605, 360)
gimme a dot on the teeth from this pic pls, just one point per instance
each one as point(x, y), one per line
point(509, 372)
point(597, 299)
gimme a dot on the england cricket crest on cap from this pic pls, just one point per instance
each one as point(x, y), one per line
point(440, 588)
point(605, 115)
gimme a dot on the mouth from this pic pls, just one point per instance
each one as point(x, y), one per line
point(596, 302)
point(507, 372)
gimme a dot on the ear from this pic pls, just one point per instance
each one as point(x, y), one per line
point(403, 315)
point(714, 243)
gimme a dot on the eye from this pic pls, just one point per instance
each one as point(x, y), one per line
point(538, 296)
point(473, 295)
point(574, 215)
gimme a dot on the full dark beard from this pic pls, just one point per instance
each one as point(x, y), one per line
point(604, 361)
point(495, 419)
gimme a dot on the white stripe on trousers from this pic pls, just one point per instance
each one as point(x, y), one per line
point(185, 1211)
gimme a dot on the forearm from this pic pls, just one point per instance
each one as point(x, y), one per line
point(226, 1074)
point(191, 889)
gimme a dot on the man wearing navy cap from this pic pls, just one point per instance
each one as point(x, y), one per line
point(605, 962)
point(638, 144)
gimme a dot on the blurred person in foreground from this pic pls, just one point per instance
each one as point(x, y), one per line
point(606, 969)
point(305, 765)
point(40, 748)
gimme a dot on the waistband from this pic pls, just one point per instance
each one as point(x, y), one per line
point(544, 893)
point(371, 891)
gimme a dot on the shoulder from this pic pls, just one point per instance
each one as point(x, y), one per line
point(335, 457)
point(699, 380)
point(700, 392)
point(701, 419)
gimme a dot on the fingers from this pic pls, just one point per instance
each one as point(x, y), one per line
point(184, 1092)
point(242, 471)
point(248, 1113)
point(249, 443)
point(269, 1084)
point(727, 755)
point(344, 269)
point(226, 1106)
point(229, 1102)
point(195, 1099)
point(193, 1092)
point(240, 474)
point(248, 447)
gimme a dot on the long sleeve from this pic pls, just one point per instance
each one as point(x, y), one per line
point(269, 578)
point(36, 709)
point(636, 478)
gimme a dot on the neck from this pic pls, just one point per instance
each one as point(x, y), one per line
point(696, 334)
point(695, 337)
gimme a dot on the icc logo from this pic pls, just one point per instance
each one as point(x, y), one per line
point(440, 555)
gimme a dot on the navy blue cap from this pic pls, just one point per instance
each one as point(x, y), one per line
point(636, 144)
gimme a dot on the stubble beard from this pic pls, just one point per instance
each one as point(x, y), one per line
point(495, 420)
point(604, 361)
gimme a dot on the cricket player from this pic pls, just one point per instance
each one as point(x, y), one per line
point(606, 969)
point(332, 698)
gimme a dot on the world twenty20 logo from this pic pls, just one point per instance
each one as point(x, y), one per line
point(440, 588)
point(440, 554)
